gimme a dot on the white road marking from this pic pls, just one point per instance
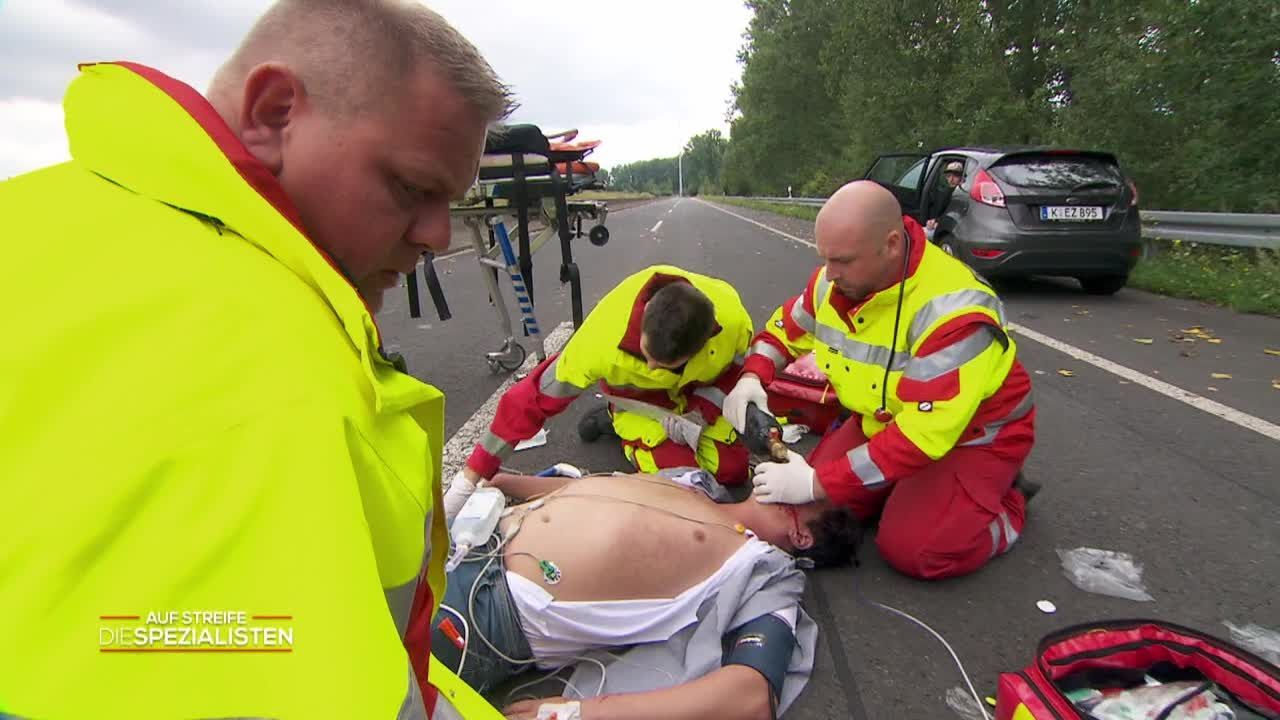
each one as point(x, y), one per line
point(655, 227)
point(459, 447)
point(1230, 414)
point(802, 241)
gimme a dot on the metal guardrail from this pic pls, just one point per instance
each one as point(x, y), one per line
point(1250, 230)
point(813, 202)
point(1239, 229)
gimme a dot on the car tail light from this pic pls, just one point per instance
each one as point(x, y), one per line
point(987, 254)
point(1133, 188)
point(986, 191)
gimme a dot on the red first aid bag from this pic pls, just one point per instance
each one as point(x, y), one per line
point(803, 395)
point(1117, 654)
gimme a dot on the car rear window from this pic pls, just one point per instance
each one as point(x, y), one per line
point(1056, 171)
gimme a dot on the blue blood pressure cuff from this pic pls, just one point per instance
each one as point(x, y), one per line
point(765, 644)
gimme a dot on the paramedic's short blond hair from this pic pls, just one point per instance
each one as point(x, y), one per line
point(354, 54)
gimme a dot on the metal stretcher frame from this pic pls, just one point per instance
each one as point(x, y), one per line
point(563, 219)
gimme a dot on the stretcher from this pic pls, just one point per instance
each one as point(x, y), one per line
point(524, 175)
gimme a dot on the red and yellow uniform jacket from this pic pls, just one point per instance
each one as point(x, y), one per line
point(953, 380)
point(198, 416)
point(606, 350)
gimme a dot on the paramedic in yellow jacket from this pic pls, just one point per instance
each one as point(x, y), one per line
point(917, 348)
point(205, 446)
point(664, 347)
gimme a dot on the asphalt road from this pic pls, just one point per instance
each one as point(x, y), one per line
point(1192, 495)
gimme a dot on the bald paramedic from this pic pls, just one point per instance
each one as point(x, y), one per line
point(917, 349)
point(198, 411)
point(663, 347)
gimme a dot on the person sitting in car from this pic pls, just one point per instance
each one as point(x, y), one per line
point(953, 174)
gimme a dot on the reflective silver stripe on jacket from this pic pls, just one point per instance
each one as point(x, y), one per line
point(400, 603)
point(950, 358)
point(820, 290)
point(713, 395)
point(413, 708)
point(400, 598)
point(445, 709)
point(864, 467)
point(635, 388)
point(495, 445)
point(949, 303)
point(760, 347)
point(991, 429)
point(640, 407)
point(552, 387)
point(802, 316)
point(859, 351)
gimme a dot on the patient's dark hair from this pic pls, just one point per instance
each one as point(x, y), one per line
point(837, 533)
point(678, 320)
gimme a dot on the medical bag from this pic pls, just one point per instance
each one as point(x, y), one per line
point(1141, 669)
point(803, 395)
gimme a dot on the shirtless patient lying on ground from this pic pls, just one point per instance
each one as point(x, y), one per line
point(627, 562)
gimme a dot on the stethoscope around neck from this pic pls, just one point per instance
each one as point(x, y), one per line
point(882, 414)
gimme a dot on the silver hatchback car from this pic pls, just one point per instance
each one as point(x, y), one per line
point(1017, 211)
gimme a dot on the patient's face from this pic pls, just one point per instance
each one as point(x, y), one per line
point(785, 526)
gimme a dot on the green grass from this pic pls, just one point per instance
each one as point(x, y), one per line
point(802, 212)
point(1242, 279)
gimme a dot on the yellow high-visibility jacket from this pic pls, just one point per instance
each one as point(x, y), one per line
point(951, 366)
point(606, 350)
point(197, 416)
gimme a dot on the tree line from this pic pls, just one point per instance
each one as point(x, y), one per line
point(1185, 92)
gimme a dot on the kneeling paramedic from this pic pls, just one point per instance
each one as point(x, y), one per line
point(915, 346)
point(665, 346)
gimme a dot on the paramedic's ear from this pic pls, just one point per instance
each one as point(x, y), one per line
point(273, 98)
point(801, 537)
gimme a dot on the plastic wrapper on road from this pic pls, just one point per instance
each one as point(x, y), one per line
point(1105, 572)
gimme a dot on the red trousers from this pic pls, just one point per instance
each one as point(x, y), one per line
point(948, 519)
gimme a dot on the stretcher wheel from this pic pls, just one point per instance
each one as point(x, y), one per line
point(510, 358)
point(599, 235)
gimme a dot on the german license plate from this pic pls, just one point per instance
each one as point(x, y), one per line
point(1070, 212)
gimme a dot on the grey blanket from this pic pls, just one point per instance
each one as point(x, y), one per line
point(773, 584)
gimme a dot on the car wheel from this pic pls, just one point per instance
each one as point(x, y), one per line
point(1103, 284)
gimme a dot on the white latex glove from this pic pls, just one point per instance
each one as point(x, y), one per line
point(748, 390)
point(460, 489)
point(571, 710)
point(790, 482)
point(682, 430)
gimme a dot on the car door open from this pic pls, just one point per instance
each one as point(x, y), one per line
point(902, 174)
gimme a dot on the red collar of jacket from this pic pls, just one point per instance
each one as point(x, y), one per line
point(849, 308)
point(630, 342)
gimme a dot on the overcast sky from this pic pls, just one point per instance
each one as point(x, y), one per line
point(640, 76)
